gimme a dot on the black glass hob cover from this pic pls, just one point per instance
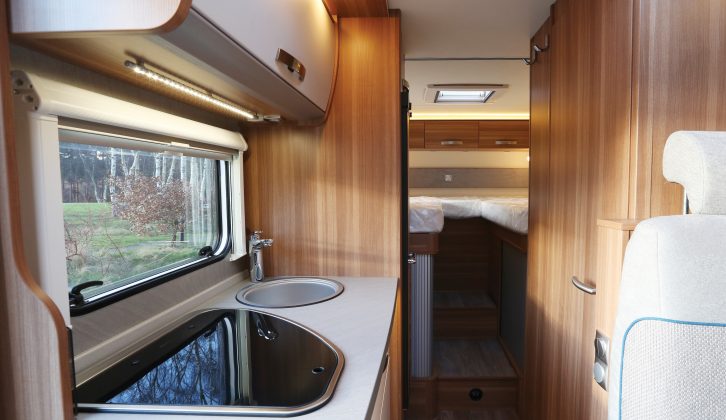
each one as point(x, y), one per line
point(220, 358)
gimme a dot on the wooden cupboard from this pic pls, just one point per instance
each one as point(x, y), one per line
point(603, 101)
point(469, 135)
point(416, 135)
point(451, 135)
point(303, 30)
point(503, 134)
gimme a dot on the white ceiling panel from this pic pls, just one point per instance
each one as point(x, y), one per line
point(470, 28)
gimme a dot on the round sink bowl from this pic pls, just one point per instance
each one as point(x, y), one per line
point(288, 292)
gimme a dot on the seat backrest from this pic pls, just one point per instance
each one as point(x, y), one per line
point(668, 353)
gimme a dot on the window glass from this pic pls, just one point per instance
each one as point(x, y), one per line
point(131, 214)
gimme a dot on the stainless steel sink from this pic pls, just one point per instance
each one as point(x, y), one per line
point(287, 292)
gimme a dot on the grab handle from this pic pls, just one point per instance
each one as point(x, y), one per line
point(582, 286)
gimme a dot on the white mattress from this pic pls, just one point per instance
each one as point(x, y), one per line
point(426, 214)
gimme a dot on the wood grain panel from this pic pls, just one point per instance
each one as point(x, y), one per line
point(613, 236)
point(468, 258)
point(36, 378)
point(589, 133)
point(454, 135)
point(360, 8)
point(422, 403)
point(423, 243)
point(680, 85)
point(453, 394)
point(330, 196)
point(539, 152)
point(416, 135)
point(466, 323)
point(504, 134)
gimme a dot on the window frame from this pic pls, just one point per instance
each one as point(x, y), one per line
point(41, 106)
point(223, 248)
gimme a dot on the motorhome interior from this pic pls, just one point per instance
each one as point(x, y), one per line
point(363, 209)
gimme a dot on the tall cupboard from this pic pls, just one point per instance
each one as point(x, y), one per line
point(613, 79)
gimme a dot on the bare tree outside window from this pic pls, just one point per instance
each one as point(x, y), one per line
point(128, 213)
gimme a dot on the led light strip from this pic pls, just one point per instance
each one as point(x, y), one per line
point(173, 84)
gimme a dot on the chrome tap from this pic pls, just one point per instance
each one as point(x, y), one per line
point(256, 244)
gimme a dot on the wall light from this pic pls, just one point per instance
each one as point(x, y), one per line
point(198, 94)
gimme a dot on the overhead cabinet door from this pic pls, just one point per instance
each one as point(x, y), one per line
point(444, 135)
point(293, 38)
point(504, 134)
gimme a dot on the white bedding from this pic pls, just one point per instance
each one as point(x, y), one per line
point(426, 214)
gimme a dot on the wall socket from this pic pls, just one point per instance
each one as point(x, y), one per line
point(448, 178)
point(602, 356)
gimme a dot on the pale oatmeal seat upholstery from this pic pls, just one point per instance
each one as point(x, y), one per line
point(668, 352)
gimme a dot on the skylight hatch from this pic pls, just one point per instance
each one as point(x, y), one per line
point(463, 96)
point(466, 93)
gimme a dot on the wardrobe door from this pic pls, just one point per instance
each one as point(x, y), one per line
point(539, 222)
point(558, 374)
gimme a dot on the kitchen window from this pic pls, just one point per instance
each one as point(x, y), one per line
point(137, 212)
point(119, 193)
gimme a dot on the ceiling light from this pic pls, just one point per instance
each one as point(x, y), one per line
point(187, 90)
point(463, 96)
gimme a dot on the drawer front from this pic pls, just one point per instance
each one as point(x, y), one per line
point(416, 135)
point(451, 135)
point(455, 394)
point(504, 134)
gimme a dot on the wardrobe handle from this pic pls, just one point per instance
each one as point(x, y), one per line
point(292, 63)
point(505, 142)
point(451, 142)
point(582, 286)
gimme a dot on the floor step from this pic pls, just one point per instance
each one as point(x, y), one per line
point(463, 300)
point(469, 315)
point(492, 414)
point(471, 359)
point(473, 375)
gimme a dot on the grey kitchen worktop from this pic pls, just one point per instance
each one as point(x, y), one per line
point(358, 322)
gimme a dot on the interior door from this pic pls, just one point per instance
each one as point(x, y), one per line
point(557, 374)
point(539, 219)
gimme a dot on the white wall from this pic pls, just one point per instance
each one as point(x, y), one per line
point(473, 159)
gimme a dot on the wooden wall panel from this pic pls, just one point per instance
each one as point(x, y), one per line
point(330, 196)
point(539, 167)
point(681, 85)
point(590, 53)
point(469, 257)
point(624, 74)
point(358, 8)
point(34, 360)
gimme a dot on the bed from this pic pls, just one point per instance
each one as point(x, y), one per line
point(427, 214)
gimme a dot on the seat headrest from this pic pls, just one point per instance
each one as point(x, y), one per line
point(697, 160)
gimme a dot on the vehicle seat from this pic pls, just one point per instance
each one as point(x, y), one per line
point(668, 353)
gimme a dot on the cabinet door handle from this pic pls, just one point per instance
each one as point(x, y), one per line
point(582, 286)
point(292, 63)
point(451, 142)
point(505, 142)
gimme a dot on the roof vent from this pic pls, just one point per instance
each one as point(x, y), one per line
point(465, 93)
